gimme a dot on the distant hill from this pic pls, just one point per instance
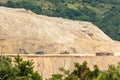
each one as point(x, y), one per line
point(22, 31)
point(103, 13)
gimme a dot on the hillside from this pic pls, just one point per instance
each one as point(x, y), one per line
point(24, 31)
point(103, 13)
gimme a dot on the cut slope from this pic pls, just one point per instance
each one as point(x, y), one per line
point(21, 29)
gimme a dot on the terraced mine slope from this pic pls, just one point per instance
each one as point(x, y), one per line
point(22, 31)
point(46, 65)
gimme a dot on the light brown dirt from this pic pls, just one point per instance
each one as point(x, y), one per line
point(23, 29)
point(46, 65)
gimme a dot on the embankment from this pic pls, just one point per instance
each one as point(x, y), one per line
point(49, 64)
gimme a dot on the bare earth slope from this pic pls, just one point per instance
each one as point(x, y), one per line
point(48, 64)
point(24, 30)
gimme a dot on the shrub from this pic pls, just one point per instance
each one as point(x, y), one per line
point(21, 70)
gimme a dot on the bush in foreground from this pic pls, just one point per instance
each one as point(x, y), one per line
point(20, 70)
point(82, 72)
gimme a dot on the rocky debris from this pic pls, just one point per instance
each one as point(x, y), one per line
point(23, 29)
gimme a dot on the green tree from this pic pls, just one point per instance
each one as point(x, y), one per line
point(7, 70)
point(81, 72)
point(21, 70)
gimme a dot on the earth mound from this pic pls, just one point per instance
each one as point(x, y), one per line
point(22, 31)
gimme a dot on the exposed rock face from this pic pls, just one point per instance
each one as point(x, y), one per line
point(23, 30)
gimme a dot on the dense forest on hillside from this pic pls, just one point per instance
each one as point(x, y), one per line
point(103, 13)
